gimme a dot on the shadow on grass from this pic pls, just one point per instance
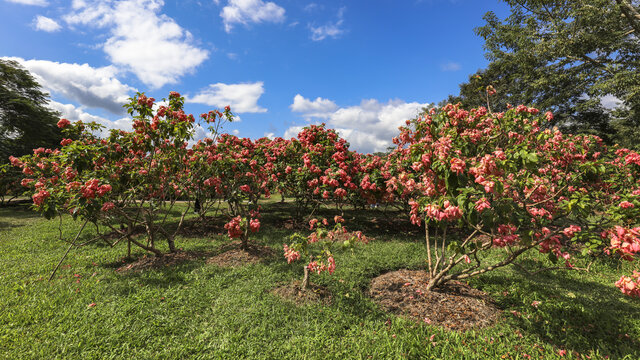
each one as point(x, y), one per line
point(574, 313)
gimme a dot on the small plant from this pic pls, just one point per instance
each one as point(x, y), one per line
point(315, 249)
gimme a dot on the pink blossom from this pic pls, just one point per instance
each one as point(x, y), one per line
point(626, 205)
point(63, 123)
point(108, 206)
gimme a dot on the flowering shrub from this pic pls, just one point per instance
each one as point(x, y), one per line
point(316, 247)
point(499, 179)
point(315, 168)
point(130, 178)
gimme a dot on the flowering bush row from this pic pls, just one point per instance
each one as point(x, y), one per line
point(496, 180)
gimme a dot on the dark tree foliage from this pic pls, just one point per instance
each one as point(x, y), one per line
point(25, 121)
point(565, 56)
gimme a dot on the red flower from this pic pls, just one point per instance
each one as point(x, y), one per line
point(63, 123)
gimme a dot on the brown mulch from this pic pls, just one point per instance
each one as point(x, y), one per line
point(154, 262)
point(315, 294)
point(454, 306)
point(234, 256)
point(197, 227)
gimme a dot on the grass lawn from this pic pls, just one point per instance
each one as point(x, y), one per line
point(202, 311)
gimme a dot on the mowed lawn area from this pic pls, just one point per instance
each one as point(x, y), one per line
point(96, 308)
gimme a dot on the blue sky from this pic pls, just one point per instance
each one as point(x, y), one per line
point(363, 67)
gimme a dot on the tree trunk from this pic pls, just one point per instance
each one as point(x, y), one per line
point(305, 279)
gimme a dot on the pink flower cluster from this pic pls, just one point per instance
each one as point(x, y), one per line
point(92, 187)
point(508, 235)
point(290, 254)
point(319, 267)
point(234, 227)
point(40, 197)
point(625, 240)
point(630, 285)
point(448, 212)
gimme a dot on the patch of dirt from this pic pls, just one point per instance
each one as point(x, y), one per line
point(210, 226)
point(154, 262)
point(234, 256)
point(315, 294)
point(454, 306)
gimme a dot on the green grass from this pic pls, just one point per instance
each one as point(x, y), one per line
point(201, 311)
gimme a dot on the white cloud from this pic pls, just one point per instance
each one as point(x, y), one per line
point(46, 24)
point(31, 2)
point(450, 66)
point(89, 86)
point(310, 7)
point(319, 107)
point(142, 40)
point(368, 127)
point(333, 30)
point(292, 132)
point(73, 113)
point(270, 135)
point(610, 102)
point(250, 11)
point(235, 132)
point(243, 98)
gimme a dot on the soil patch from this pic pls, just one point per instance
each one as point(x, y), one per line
point(233, 256)
point(155, 262)
point(454, 306)
point(209, 226)
point(315, 294)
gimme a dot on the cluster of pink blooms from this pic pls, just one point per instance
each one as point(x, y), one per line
point(448, 212)
point(234, 227)
point(482, 204)
point(319, 267)
point(254, 225)
point(63, 123)
point(290, 254)
point(92, 187)
point(107, 206)
point(625, 240)
point(40, 197)
point(571, 230)
point(508, 235)
point(630, 285)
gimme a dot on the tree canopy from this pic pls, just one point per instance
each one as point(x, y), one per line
point(25, 121)
point(565, 56)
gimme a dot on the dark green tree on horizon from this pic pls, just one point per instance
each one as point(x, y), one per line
point(565, 56)
point(25, 120)
point(25, 123)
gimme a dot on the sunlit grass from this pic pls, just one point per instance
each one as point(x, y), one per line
point(201, 311)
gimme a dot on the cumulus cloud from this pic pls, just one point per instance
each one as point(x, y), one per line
point(319, 107)
point(250, 11)
point(333, 30)
point(73, 113)
point(142, 40)
point(31, 2)
point(370, 126)
point(89, 86)
point(44, 23)
point(450, 66)
point(243, 98)
point(610, 102)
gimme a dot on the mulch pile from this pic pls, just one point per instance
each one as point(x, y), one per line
point(454, 306)
point(167, 260)
point(234, 256)
point(314, 294)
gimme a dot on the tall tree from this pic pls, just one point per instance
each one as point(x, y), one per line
point(565, 56)
point(25, 121)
